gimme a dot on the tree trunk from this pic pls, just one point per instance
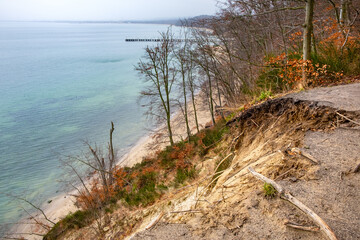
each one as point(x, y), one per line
point(308, 28)
point(112, 156)
point(185, 109)
point(219, 97)
point(344, 13)
point(211, 101)
point(168, 116)
point(195, 113)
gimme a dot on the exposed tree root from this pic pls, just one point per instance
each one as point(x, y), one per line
point(347, 118)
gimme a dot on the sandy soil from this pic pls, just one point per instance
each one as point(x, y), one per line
point(236, 208)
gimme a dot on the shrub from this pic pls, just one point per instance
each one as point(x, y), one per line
point(75, 220)
point(144, 190)
point(346, 61)
point(214, 134)
point(183, 174)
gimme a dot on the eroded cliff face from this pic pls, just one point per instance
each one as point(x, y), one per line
point(302, 141)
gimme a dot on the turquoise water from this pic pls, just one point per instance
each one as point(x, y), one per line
point(61, 83)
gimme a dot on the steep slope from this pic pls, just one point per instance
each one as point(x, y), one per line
point(264, 137)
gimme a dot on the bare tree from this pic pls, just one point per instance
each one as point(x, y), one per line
point(181, 53)
point(94, 183)
point(157, 70)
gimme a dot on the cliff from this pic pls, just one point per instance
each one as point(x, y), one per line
point(307, 142)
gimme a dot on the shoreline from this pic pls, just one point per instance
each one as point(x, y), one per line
point(64, 203)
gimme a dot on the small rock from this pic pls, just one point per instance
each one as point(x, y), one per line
point(49, 201)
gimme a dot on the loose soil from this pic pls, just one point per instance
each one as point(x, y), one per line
point(231, 204)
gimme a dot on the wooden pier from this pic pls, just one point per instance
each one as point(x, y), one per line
point(155, 40)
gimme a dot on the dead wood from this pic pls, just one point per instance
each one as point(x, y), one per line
point(153, 223)
point(287, 196)
point(255, 123)
point(306, 155)
point(356, 169)
point(347, 118)
point(301, 227)
point(187, 211)
point(229, 155)
point(283, 174)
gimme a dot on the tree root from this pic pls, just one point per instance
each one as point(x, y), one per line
point(347, 118)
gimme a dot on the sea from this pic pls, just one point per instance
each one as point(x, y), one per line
point(62, 83)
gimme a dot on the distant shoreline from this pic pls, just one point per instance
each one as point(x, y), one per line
point(164, 22)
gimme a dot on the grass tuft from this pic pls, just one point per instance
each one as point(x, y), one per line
point(269, 190)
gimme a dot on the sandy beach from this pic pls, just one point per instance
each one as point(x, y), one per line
point(63, 204)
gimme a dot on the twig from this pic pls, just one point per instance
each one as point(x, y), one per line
point(305, 154)
point(155, 221)
point(257, 161)
point(283, 174)
point(209, 184)
point(287, 196)
point(31, 204)
point(301, 227)
point(254, 122)
point(347, 118)
point(229, 155)
point(356, 169)
point(186, 211)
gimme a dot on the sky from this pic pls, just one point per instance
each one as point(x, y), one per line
point(97, 10)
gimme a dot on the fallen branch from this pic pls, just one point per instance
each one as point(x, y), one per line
point(287, 196)
point(301, 227)
point(155, 221)
point(305, 154)
point(347, 118)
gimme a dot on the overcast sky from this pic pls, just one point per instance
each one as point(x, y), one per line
point(103, 9)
